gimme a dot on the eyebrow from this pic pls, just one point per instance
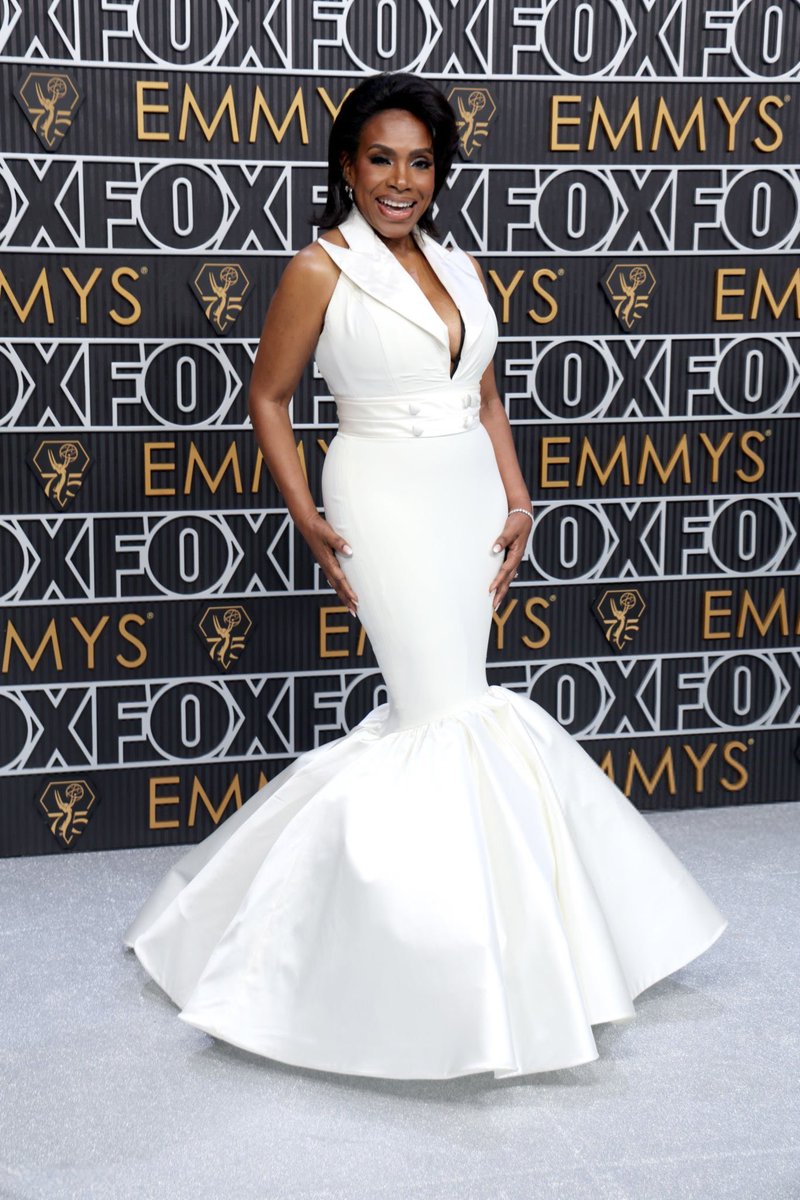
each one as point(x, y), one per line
point(389, 150)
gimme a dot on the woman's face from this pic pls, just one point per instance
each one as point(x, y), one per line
point(392, 174)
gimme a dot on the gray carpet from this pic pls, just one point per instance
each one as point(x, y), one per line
point(107, 1095)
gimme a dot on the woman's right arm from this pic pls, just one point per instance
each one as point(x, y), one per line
point(291, 329)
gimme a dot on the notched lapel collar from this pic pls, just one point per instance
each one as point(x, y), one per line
point(459, 278)
point(373, 267)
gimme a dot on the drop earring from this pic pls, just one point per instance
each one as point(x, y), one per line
point(348, 191)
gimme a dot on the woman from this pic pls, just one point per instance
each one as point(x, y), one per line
point(454, 886)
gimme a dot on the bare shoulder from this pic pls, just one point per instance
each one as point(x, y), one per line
point(311, 265)
point(308, 279)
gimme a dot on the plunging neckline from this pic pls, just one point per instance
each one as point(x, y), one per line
point(454, 362)
point(421, 240)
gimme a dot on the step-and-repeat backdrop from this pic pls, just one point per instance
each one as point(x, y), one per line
point(628, 177)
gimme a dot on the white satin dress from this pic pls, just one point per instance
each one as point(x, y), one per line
point(454, 886)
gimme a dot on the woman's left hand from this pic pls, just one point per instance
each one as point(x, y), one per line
point(513, 539)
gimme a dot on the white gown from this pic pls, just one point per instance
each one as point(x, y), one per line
point(454, 886)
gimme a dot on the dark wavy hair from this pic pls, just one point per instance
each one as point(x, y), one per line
point(392, 89)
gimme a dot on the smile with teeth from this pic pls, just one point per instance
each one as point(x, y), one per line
point(396, 205)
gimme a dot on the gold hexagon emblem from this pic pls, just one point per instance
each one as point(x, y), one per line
point(629, 287)
point(619, 611)
point(475, 109)
point(224, 630)
point(60, 465)
point(221, 289)
point(67, 805)
point(49, 100)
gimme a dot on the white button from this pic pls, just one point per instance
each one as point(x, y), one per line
point(413, 409)
point(466, 400)
point(416, 430)
point(467, 421)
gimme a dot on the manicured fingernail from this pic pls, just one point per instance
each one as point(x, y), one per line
point(353, 612)
point(497, 548)
point(346, 549)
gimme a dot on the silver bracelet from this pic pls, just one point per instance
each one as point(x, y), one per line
point(527, 512)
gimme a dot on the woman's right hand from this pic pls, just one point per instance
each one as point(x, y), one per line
point(324, 541)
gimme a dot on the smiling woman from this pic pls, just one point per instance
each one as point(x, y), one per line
point(454, 885)
point(436, 140)
point(391, 182)
point(391, 178)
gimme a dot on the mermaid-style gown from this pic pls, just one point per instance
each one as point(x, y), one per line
point(454, 886)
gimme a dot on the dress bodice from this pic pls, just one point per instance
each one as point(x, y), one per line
point(384, 350)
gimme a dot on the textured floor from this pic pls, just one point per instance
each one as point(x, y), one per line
point(105, 1095)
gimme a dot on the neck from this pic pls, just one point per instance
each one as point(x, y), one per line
point(402, 246)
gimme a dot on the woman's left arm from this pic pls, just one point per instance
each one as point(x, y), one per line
point(513, 537)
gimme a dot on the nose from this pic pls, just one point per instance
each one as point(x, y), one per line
point(397, 176)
